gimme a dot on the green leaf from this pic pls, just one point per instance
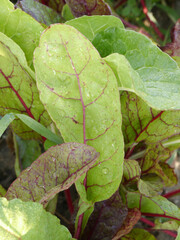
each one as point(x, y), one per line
point(89, 26)
point(80, 93)
point(131, 171)
point(150, 187)
point(140, 123)
point(168, 225)
point(40, 12)
point(27, 221)
point(91, 7)
point(157, 205)
point(139, 234)
point(21, 28)
point(2, 191)
point(5, 121)
point(19, 93)
point(178, 236)
point(158, 72)
point(54, 171)
point(66, 13)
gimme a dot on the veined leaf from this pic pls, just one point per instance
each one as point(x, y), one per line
point(21, 28)
point(158, 205)
point(131, 171)
point(54, 171)
point(40, 12)
point(89, 7)
point(19, 93)
point(159, 73)
point(28, 220)
point(80, 93)
point(89, 26)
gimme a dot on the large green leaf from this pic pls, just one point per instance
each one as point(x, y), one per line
point(19, 93)
point(159, 73)
point(80, 93)
point(89, 26)
point(21, 27)
point(54, 171)
point(27, 221)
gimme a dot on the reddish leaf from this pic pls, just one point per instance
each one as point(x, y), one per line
point(88, 7)
point(106, 219)
point(54, 4)
point(54, 171)
point(131, 219)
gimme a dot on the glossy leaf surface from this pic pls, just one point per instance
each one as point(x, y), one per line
point(22, 28)
point(158, 72)
point(19, 93)
point(80, 93)
point(28, 220)
point(88, 7)
point(54, 171)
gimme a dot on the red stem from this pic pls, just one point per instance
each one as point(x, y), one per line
point(170, 194)
point(145, 11)
point(69, 200)
point(119, 4)
point(159, 215)
point(148, 222)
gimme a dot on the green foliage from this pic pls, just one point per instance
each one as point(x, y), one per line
point(97, 90)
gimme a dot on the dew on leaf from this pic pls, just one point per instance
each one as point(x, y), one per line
point(105, 170)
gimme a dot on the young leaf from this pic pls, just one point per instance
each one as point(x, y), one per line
point(54, 171)
point(80, 93)
point(158, 72)
point(21, 27)
point(40, 12)
point(89, 7)
point(89, 26)
point(131, 219)
point(19, 93)
point(131, 171)
point(28, 220)
point(106, 220)
point(138, 234)
point(140, 123)
point(153, 206)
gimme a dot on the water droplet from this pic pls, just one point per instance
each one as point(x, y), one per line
point(105, 170)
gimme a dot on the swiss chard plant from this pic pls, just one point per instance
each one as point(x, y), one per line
point(104, 102)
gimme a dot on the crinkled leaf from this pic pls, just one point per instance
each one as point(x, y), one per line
point(131, 219)
point(40, 12)
point(131, 171)
point(89, 26)
point(80, 93)
point(57, 5)
point(21, 27)
point(168, 225)
point(2, 191)
point(19, 93)
point(88, 7)
point(158, 72)
point(173, 48)
point(158, 205)
point(140, 124)
point(138, 234)
point(54, 171)
point(28, 220)
point(107, 219)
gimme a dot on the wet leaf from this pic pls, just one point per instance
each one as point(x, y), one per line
point(89, 26)
point(158, 72)
point(88, 7)
point(138, 234)
point(19, 93)
point(28, 220)
point(40, 12)
point(131, 219)
point(75, 89)
point(153, 206)
point(22, 28)
point(54, 171)
point(106, 220)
